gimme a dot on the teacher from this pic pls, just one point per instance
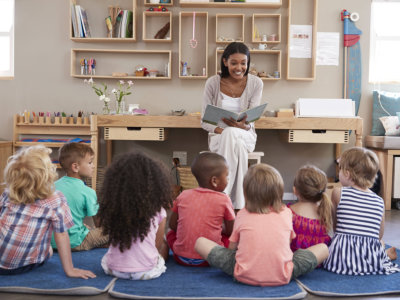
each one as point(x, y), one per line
point(235, 90)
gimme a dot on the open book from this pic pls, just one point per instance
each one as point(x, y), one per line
point(214, 114)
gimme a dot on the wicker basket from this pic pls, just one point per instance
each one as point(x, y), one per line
point(186, 178)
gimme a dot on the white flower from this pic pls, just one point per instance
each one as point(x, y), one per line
point(85, 81)
point(102, 98)
point(90, 80)
point(122, 82)
point(106, 99)
point(114, 91)
point(130, 83)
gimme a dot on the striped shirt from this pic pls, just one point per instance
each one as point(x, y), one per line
point(25, 229)
point(356, 248)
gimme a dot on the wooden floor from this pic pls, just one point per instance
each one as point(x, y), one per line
point(392, 237)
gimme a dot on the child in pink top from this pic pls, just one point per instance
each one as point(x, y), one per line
point(259, 250)
point(203, 211)
point(312, 214)
point(136, 191)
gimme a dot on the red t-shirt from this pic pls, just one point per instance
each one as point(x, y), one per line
point(201, 213)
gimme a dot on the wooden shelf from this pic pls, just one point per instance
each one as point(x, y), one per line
point(125, 62)
point(153, 21)
point(269, 63)
point(229, 28)
point(149, 3)
point(264, 27)
point(196, 58)
point(266, 4)
point(97, 11)
point(302, 13)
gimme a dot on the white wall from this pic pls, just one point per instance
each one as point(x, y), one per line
point(43, 83)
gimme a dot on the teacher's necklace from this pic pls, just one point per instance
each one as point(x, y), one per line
point(238, 89)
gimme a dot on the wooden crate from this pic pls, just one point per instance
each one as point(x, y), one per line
point(135, 133)
point(318, 136)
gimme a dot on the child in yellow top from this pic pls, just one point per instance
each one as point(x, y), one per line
point(261, 236)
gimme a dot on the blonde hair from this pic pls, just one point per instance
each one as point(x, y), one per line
point(263, 189)
point(29, 175)
point(310, 183)
point(362, 165)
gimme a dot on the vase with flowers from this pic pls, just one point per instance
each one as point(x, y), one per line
point(102, 93)
point(120, 93)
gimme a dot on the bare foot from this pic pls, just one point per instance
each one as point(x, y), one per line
point(391, 252)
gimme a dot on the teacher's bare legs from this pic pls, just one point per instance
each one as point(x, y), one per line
point(235, 144)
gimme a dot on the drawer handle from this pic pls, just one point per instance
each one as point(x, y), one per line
point(134, 128)
point(318, 131)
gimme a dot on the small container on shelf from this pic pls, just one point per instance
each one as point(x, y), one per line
point(153, 73)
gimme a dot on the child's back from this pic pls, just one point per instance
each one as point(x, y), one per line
point(356, 248)
point(312, 212)
point(201, 212)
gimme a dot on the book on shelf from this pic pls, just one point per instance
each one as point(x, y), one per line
point(75, 32)
point(78, 21)
point(85, 23)
point(214, 114)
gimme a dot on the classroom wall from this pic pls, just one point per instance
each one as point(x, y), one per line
point(42, 81)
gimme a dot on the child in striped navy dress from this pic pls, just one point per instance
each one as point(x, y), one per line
point(356, 247)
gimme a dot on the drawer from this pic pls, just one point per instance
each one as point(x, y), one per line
point(318, 136)
point(135, 133)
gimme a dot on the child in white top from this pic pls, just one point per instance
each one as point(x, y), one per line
point(356, 247)
point(135, 193)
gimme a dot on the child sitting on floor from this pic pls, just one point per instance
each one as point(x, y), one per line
point(77, 161)
point(203, 211)
point(259, 250)
point(356, 248)
point(30, 211)
point(135, 195)
point(312, 214)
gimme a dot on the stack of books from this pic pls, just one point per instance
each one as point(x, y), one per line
point(79, 20)
point(123, 24)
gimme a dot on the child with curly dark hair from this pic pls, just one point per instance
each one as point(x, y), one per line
point(135, 195)
point(204, 211)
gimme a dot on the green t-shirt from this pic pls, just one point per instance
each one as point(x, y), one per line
point(82, 201)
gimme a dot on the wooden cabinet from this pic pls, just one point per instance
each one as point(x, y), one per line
point(153, 22)
point(223, 4)
point(193, 45)
point(122, 61)
point(97, 11)
point(302, 22)
point(266, 28)
point(5, 153)
point(229, 28)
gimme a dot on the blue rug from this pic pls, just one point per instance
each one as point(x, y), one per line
point(323, 283)
point(51, 279)
point(180, 282)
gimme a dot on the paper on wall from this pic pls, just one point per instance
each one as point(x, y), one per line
point(328, 108)
point(327, 48)
point(300, 41)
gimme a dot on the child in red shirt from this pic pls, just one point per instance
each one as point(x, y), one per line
point(203, 211)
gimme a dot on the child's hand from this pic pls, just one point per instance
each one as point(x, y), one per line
point(80, 273)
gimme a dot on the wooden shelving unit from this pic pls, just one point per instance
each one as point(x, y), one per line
point(122, 61)
point(195, 57)
point(158, 2)
point(266, 27)
point(212, 4)
point(153, 21)
point(229, 28)
point(47, 129)
point(302, 13)
point(267, 61)
point(97, 11)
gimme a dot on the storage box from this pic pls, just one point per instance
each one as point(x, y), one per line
point(382, 142)
point(319, 136)
point(135, 133)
